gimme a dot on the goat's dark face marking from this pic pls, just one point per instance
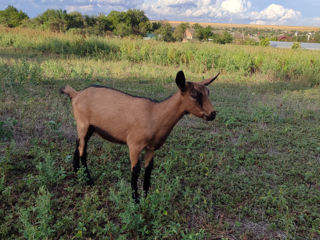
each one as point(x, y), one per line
point(199, 102)
point(196, 97)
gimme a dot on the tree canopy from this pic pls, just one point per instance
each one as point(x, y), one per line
point(126, 23)
point(180, 30)
point(203, 33)
point(11, 17)
point(165, 32)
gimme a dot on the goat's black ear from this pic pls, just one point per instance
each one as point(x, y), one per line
point(181, 81)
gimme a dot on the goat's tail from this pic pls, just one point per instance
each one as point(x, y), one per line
point(69, 91)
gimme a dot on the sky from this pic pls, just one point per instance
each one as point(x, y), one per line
point(283, 12)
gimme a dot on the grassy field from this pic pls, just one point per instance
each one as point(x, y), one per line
point(256, 26)
point(253, 173)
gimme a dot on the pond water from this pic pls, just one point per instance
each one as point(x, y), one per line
point(310, 46)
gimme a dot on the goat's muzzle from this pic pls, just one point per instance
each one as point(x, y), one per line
point(211, 117)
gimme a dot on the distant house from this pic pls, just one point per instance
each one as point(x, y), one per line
point(254, 37)
point(188, 34)
point(238, 35)
point(150, 36)
point(282, 38)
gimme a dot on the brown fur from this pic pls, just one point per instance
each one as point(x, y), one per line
point(138, 122)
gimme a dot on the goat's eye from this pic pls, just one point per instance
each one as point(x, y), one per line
point(194, 94)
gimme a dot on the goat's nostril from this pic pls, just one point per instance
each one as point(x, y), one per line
point(212, 116)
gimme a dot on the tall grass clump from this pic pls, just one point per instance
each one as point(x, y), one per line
point(79, 47)
point(21, 71)
point(47, 42)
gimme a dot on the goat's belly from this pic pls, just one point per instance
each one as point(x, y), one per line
point(108, 136)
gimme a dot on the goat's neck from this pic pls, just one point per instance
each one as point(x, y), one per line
point(169, 112)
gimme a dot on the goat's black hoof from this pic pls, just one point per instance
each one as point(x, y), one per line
point(90, 182)
point(135, 197)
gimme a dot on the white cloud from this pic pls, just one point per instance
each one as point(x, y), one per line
point(315, 21)
point(198, 9)
point(310, 22)
point(258, 22)
point(101, 6)
point(82, 8)
point(235, 11)
point(235, 6)
point(276, 14)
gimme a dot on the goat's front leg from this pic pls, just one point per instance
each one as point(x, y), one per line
point(135, 171)
point(76, 158)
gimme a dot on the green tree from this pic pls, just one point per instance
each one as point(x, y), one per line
point(317, 37)
point(123, 30)
point(75, 20)
point(198, 31)
point(155, 26)
point(223, 38)
point(203, 33)
point(55, 20)
point(131, 22)
point(207, 32)
point(103, 24)
point(179, 31)
point(165, 32)
point(11, 17)
point(89, 21)
point(137, 20)
point(115, 18)
point(145, 27)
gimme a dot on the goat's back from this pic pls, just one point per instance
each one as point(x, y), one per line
point(112, 111)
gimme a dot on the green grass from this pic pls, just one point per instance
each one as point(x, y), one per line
point(253, 173)
point(197, 57)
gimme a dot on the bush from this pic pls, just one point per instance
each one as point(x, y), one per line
point(223, 38)
point(296, 45)
point(250, 41)
point(264, 42)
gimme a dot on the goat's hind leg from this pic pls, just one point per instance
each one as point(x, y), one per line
point(84, 133)
point(148, 163)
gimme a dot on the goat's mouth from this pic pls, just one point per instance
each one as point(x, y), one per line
point(209, 117)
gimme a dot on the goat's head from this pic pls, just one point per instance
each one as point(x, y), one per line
point(195, 97)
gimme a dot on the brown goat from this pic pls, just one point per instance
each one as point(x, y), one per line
point(139, 122)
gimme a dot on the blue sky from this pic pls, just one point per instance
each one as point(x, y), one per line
point(283, 12)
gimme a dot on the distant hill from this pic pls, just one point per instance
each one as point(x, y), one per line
point(230, 25)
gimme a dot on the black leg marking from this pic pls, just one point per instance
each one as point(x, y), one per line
point(84, 156)
point(134, 181)
point(147, 176)
point(76, 157)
